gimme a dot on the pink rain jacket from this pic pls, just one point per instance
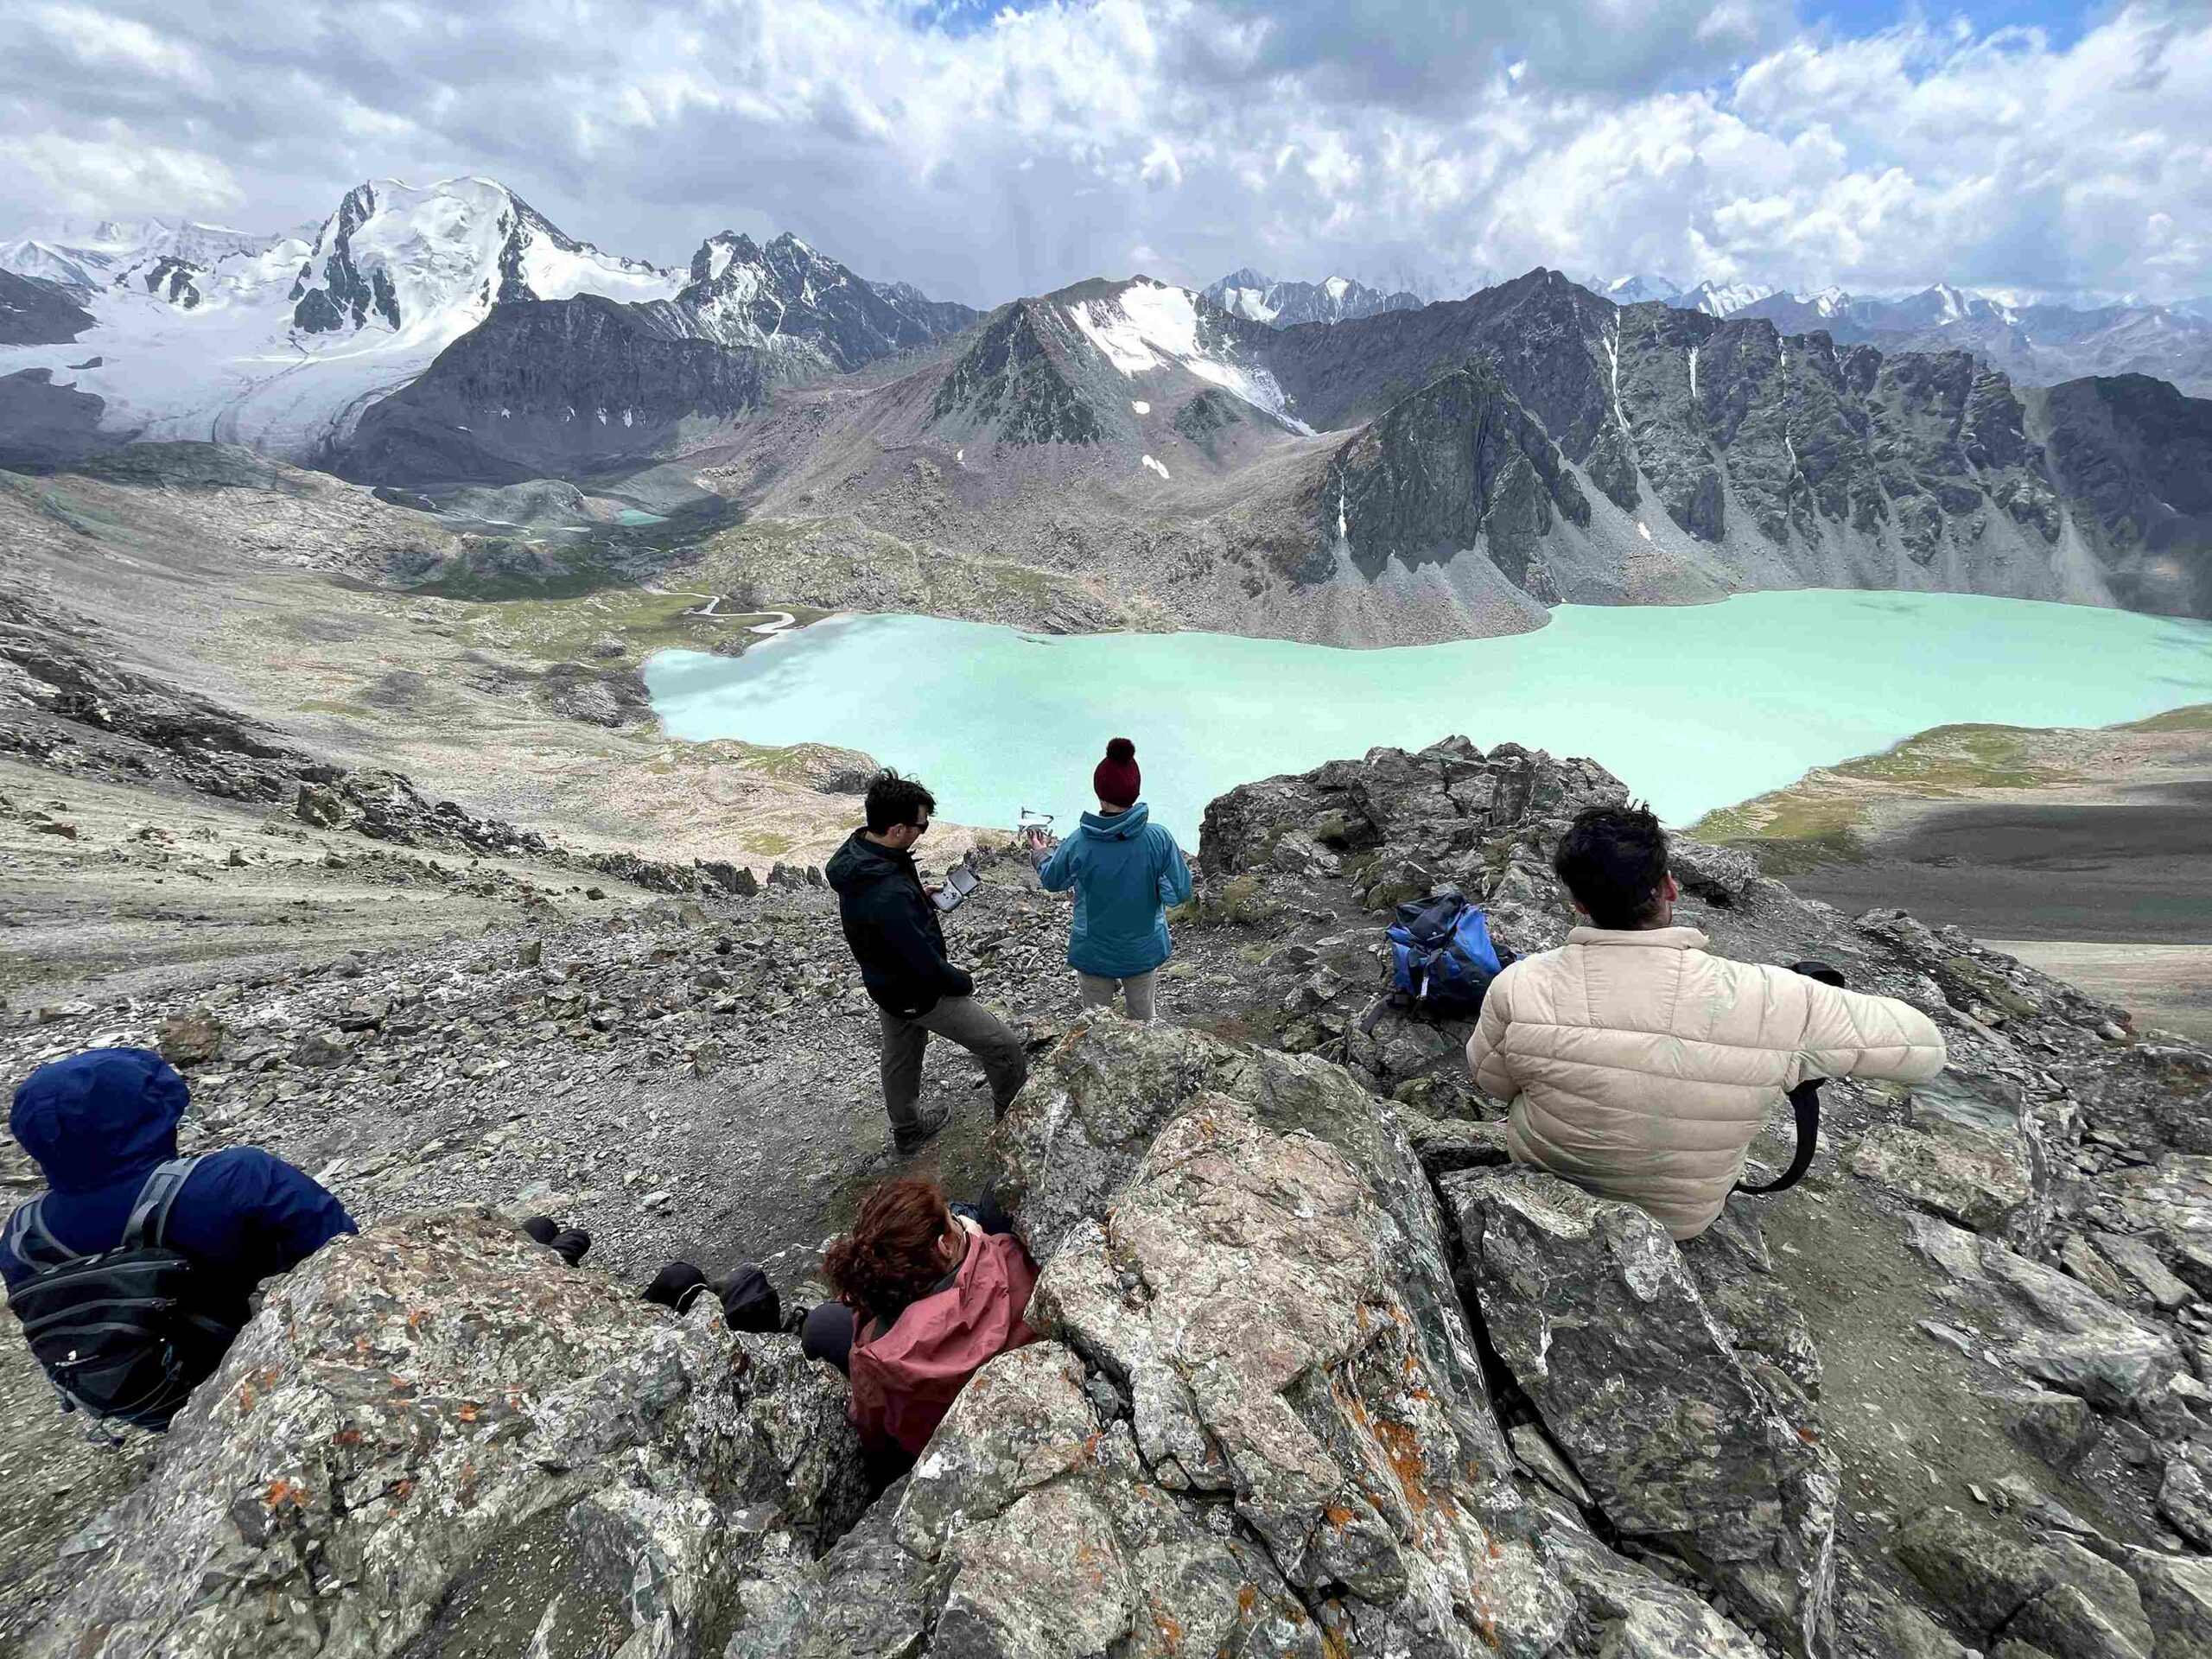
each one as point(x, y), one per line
point(903, 1380)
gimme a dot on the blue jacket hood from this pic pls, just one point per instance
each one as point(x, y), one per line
point(1122, 826)
point(99, 1117)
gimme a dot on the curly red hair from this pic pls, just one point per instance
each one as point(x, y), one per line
point(890, 1257)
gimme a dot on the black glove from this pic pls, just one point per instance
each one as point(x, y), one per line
point(963, 982)
point(674, 1286)
point(749, 1301)
point(569, 1243)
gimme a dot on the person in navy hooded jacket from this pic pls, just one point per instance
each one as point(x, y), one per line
point(1126, 870)
point(98, 1123)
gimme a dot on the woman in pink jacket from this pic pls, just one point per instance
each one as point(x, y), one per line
point(928, 1293)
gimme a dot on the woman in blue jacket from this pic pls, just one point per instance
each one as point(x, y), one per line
point(1126, 870)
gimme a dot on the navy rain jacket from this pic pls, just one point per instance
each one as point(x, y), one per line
point(99, 1122)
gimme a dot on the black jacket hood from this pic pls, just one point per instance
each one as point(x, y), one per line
point(860, 862)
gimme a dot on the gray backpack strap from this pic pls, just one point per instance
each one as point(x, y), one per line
point(29, 1240)
point(149, 1217)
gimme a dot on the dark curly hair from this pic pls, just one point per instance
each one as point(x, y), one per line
point(1613, 859)
point(889, 1258)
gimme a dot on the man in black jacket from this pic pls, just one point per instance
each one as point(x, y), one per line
point(893, 928)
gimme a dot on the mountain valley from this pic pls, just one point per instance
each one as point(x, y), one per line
point(330, 568)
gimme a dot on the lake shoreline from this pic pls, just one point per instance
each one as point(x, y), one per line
point(2080, 851)
point(1694, 706)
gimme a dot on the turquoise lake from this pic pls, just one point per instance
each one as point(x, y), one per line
point(1694, 706)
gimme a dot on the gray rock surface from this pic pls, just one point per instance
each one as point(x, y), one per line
point(1251, 1428)
point(1596, 1313)
point(1169, 1175)
point(437, 1437)
point(2058, 1330)
point(33, 312)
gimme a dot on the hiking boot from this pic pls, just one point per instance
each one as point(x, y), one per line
point(569, 1243)
point(911, 1138)
point(674, 1285)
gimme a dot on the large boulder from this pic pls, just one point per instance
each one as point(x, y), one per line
point(1597, 1314)
point(1257, 1423)
point(2058, 1597)
point(2054, 1327)
point(1450, 814)
point(435, 1437)
point(1094, 1106)
point(1240, 1287)
point(1964, 1151)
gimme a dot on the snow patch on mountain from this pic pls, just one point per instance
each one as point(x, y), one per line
point(1247, 293)
point(1726, 299)
point(1147, 325)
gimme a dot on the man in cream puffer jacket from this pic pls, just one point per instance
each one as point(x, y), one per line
point(1641, 1068)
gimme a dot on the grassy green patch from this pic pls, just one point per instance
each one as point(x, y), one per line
point(1236, 903)
point(553, 572)
point(1955, 757)
point(1814, 823)
point(769, 844)
point(563, 630)
point(787, 763)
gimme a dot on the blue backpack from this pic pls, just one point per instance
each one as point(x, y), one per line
point(1441, 957)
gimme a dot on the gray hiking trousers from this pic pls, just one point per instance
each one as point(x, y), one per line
point(965, 1022)
point(1140, 991)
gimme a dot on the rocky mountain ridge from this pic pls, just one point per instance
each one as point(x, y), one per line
point(280, 342)
point(1681, 456)
point(2036, 344)
point(36, 312)
point(1305, 1384)
point(1139, 441)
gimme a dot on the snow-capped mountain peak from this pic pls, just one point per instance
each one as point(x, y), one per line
point(1726, 299)
point(436, 259)
point(1246, 292)
point(1638, 290)
point(1145, 325)
point(282, 341)
point(113, 251)
point(279, 342)
point(794, 302)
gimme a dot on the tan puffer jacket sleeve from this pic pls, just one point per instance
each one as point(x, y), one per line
point(1642, 1068)
point(1851, 1034)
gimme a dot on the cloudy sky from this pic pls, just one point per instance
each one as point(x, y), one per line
point(2041, 146)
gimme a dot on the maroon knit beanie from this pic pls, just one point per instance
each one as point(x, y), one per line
point(1117, 778)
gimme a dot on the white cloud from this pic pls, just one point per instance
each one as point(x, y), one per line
point(1690, 137)
point(98, 37)
point(120, 175)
